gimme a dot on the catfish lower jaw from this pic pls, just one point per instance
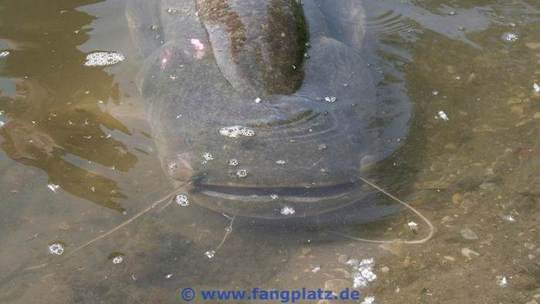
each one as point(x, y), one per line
point(268, 202)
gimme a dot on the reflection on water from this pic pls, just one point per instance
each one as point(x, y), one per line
point(74, 141)
point(54, 120)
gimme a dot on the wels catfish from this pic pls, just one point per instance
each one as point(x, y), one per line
point(267, 107)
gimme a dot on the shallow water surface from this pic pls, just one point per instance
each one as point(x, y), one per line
point(77, 159)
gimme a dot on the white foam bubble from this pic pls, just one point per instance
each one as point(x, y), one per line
point(236, 131)
point(56, 248)
point(362, 272)
point(103, 59)
point(287, 210)
point(182, 200)
point(210, 254)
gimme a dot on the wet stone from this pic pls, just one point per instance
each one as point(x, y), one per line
point(469, 253)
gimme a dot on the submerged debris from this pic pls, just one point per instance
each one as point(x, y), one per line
point(56, 248)
point(236, 131)
point(103, 59)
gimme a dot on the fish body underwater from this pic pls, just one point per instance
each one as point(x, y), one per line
point(267, 108)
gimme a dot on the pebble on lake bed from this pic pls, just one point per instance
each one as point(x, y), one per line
point(468, 234)
point(96, 59)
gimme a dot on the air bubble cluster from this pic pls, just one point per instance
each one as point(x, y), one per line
point(103, 59)
point(236, 131)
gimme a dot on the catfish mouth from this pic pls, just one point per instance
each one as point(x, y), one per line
point(268, 201)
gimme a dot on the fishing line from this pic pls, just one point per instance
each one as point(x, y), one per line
point(414, 210)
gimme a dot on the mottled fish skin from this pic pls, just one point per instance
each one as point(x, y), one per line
point(207, 61)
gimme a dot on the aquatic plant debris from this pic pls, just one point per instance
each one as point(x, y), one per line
point(56, 248)
point(99, 58)
point(236, 131)
point(362, 272)
point(182, 200)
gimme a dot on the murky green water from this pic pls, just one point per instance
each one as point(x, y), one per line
point(78, 159)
